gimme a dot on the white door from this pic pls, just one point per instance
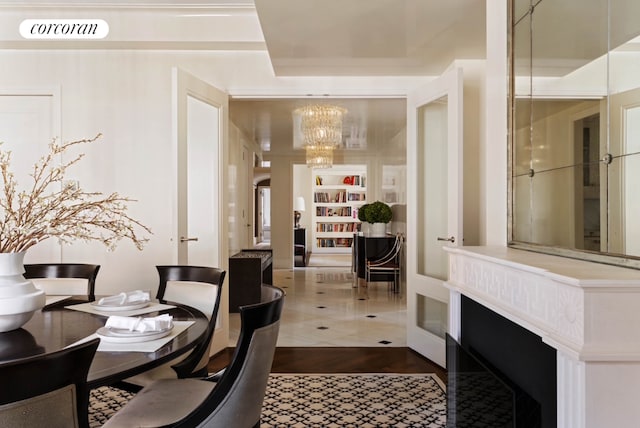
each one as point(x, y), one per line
point(31, 119)
point(434, 166)
point(200, 124)
point(619, 209)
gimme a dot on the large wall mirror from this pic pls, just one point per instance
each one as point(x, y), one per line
point(575, 128)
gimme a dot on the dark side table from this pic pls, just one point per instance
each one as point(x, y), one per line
point(248, 270)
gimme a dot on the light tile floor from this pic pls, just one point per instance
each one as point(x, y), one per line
point(322, 308)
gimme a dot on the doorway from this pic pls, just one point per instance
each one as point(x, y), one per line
point(587, 147)
point(263, 213)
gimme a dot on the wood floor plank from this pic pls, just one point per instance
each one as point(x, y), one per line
point(342, 360)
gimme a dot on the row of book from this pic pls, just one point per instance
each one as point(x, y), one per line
point(334, 212)
point(334, 242)
point(339, 196)
point(351, 180)
point(338, 227)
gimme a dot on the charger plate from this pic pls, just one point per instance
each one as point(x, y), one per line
point(120, 335)
point(118, 308)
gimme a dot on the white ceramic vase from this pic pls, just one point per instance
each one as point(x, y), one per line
point(19, 298)
point(364, 228)
point(377, 230)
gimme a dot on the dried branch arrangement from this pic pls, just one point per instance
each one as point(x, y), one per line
point(55, 209)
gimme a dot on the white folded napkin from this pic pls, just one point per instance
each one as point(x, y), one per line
point(137, 296)
point(159, 323)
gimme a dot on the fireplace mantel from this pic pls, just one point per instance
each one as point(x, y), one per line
point(588, 312)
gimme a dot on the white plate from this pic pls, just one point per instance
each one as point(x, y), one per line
point(117, 308)
point(125, 336)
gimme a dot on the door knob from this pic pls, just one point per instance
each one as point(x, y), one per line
point(183, 239)
point(452, 239)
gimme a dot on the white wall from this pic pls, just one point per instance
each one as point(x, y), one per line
point(302, 187)
point(474, 98)
point(493, 153)
point(126, 95)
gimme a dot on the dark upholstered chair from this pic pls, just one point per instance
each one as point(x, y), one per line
point(64, 271)
point(386, 267)
point(231, 399)
point(199, 287)
point(47, 390)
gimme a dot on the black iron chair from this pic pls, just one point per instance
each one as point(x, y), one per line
point(47, 390)
point(63, 271)
point(388, 266)
point(196, 286)
point(232, 398)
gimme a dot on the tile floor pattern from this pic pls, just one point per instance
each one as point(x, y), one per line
point(322, 308)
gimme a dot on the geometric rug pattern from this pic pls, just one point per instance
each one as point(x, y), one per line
point(328, 400)
point(354, 400)
point(104, 402)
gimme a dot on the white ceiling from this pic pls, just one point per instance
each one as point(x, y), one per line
point(370, 37)
point(302, 37)
point(358, 38)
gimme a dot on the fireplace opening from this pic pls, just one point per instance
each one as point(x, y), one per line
point(501, 375)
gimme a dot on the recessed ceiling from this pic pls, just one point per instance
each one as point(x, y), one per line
point(357, 38)
point(370, 37)
point(270, 122)
point(303, 38)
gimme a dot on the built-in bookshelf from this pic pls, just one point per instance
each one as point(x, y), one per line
point(338, 193)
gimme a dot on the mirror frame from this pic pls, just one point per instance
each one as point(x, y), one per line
point(587, 255)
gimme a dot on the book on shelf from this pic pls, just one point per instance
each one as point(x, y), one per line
point(333, 212)
point(334, 242)
point(356, 197)
point(337, 227)
point(354, 180)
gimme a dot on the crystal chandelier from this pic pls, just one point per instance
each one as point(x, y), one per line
point(319, 156)
point(321, 129)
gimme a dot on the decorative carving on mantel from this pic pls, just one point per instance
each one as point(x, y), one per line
point(551, 303)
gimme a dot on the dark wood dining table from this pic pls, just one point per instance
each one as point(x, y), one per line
point(55, 327)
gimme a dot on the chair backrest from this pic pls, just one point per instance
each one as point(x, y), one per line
point(47, 390)
point(236, 400)
point(393, 254)
point(201, 288)
point(63, 272)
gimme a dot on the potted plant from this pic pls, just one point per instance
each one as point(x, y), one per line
point(378, 214)
point(362, 216)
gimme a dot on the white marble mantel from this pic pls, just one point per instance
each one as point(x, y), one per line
point(588, 312)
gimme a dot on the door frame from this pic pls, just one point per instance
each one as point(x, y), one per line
point(185, 85)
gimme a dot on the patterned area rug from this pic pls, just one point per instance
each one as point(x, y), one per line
point(338, 400)
point(354, 400)
point(104, 402)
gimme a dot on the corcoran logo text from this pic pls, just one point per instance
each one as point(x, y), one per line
point(64, 29)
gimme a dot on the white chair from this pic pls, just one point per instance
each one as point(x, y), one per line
point(232, 398)
point(47, 390)
point(196, 286)
point(57, 279)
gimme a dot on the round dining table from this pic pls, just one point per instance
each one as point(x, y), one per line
point(56, 327)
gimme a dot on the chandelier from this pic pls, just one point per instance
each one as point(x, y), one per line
point(319, 156)
point(321, 129)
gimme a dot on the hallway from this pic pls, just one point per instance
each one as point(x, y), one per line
point(323, 309)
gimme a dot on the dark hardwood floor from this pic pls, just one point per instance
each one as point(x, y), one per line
point(342, 360)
